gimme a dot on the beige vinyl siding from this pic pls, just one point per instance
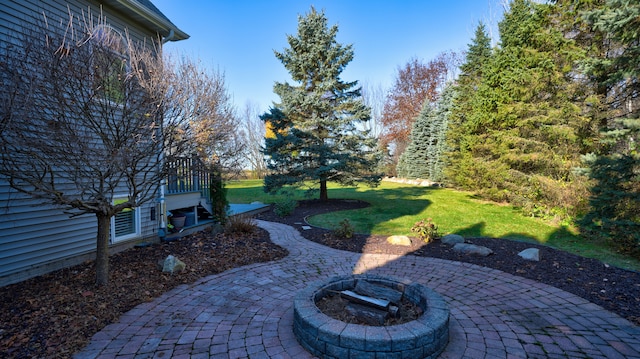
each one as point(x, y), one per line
point(34, 237)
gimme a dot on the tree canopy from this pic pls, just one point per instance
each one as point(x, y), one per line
point(615, 196)
point(520, 130)
point(316, 132)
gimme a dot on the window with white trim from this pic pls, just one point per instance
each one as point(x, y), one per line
point(126, 224)
point(110, 63)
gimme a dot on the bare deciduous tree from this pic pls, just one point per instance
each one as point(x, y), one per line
point(373, 96)
point(253, 137)
point(87, 114)
point(201, 97)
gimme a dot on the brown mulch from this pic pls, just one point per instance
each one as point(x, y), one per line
point(615, 289)
point(54, 315)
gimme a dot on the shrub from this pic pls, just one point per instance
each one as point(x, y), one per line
point(218, 195)
point(345, 229)
point(239, 224)
point(285, 207)
point(426, 229)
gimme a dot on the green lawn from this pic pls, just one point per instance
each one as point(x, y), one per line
point(396, 207)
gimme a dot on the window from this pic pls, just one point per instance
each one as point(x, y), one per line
point(110, 64)
point(126, 224)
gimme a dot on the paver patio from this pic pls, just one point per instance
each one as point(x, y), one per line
point(247, 312)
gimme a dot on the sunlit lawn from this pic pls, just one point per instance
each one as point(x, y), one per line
point(396, 207)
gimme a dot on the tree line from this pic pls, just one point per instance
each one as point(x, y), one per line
point(546, 120)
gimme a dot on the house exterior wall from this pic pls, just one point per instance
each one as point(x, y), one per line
point(36, 238)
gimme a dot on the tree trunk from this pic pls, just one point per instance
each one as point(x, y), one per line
point(323, 190)
point(102, 249)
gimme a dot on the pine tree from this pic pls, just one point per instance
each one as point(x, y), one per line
point(438, 146)
point(524, 133)
point(460, 137)
point(615, 200)
point(424, 155)
point(316, 137)
point(413, 162)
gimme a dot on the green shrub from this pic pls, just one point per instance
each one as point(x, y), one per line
point(426, 230)
point(345, 229)
point(218, 195)
point(239, 224)
point(285, 207)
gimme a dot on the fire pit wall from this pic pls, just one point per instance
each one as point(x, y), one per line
point(326, 337)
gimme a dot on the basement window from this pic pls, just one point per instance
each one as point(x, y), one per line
point(126, 224)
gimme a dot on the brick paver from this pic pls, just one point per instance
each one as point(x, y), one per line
point(247, 312)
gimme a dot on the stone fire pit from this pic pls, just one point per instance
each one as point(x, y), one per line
point(326, 337)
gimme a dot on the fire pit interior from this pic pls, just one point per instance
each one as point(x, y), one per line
point(383, 317)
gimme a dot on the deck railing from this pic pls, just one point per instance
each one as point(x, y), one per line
point(188, 174)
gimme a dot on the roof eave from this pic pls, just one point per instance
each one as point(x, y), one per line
point(150, 18)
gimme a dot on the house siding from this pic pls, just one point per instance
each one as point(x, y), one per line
point(36, 238)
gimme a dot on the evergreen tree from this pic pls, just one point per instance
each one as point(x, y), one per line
point(459, 137)
point(524, 133)
point(316, 137)
point(413, 162)
point(615, 200)
point(479, 51)
point(218, 194)
point(439, 126)
point(424, 155)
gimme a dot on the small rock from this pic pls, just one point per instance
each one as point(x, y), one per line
point(452, 239)
point(466, 248)
point(173, 265)
point(399, 240)
point(530, 254)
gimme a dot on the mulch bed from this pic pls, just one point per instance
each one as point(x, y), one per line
point(55, 315)
point(615, 289)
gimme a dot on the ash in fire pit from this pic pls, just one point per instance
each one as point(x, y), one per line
point(379, 316)
point(369, 304)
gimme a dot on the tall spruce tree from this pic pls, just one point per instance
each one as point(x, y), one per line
point(524, 131)
point(315, 133)
point(424, 155)
point(413, 162)
point(615, 200)
point(460, 137)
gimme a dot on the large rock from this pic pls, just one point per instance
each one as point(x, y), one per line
point(467, 248)
point(399, 240)
point(452, 239)
point(172, 265)
point(530, 254)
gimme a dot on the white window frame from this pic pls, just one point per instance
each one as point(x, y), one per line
point(98, 36)
point(137, 225)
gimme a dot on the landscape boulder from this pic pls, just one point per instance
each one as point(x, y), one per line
point(452, 239)
point(171, 264)
point(399, 240)
point(530, 254)
point(467, 248)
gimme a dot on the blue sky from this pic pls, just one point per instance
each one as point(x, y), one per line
point(238, 37)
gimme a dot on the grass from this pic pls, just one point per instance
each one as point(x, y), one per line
point(396, 207)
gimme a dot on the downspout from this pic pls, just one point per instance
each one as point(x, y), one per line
point(162, 231)
point(169, 37)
